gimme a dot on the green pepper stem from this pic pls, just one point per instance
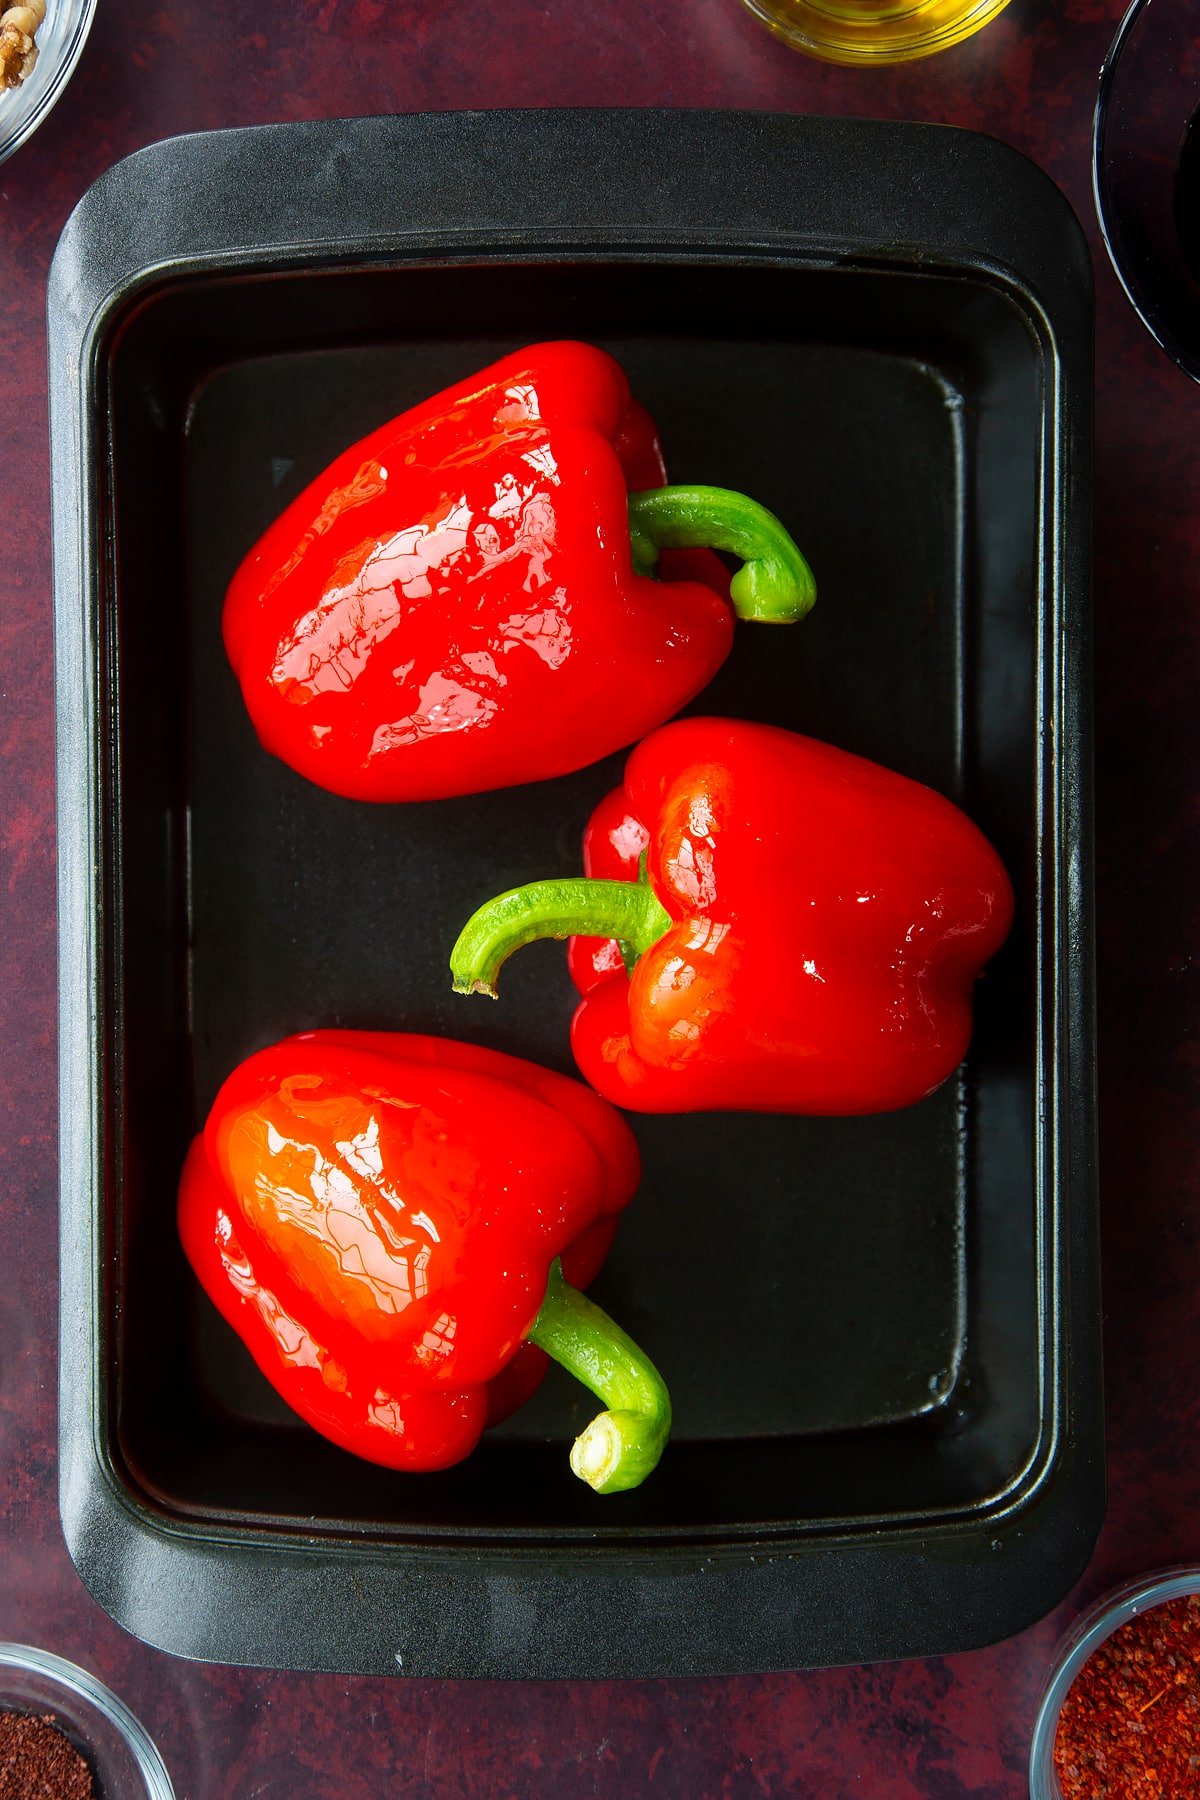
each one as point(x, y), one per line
point(622, 1445)
point(774, 585)
point(629, 911)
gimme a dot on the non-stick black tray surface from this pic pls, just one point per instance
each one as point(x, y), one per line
point(881, 1334)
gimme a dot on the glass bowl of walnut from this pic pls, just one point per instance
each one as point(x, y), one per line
point(40, 43)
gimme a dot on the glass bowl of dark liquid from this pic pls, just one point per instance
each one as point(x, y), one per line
point(1146, 169)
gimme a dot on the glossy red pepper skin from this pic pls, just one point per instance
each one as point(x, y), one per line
point(831, 918)
point(812, 930)
point(376, 1215)
point(452, 607)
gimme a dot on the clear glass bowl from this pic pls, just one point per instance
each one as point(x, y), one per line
point(60, 40)
point(878, 32)
point(1085, 1636)
point(124, 1762)
point(1146, 169)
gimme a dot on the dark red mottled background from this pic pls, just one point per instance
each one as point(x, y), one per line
point(912, 1731)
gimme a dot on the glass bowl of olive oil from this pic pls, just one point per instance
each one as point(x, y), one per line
point(874, 31)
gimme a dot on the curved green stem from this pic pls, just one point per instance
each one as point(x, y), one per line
point(622, 1444)
point(629, 911)
point(774, 585)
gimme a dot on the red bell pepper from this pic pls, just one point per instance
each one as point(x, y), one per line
point(465, 599)
point(398, 1227)
point(766, 924)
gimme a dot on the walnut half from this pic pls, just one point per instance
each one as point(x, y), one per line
point(18, 51)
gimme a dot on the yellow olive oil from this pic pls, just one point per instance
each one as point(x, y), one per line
point(874, 31)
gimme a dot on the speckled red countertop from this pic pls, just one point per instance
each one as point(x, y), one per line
point(910, 1731)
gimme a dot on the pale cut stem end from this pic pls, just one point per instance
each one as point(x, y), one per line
point(613, 1455)
point(596, 1453)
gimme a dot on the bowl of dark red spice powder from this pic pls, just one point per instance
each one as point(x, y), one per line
point(65, 1736)
point(1120, 1717)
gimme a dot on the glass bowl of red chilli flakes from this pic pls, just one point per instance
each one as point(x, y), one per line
point(64, 1734)
point(1120, 1716)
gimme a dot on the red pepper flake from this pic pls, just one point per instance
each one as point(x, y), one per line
point(39, 1762)
point(1130, 1725)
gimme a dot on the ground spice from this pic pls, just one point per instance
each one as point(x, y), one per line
point(39, 1762)
point(1130, 1725)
